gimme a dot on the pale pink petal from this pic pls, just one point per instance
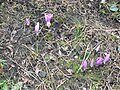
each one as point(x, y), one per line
point(48, 24)
point(37, 28)
point(84, 64)
point(92, 63)
point(107, 58)
point(48, 18)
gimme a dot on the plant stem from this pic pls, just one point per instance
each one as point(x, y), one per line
point(37, 45)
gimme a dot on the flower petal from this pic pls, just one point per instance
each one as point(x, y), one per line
point(37, 28)
point(107, 58)
point(27, 22)
point(92, 63)
point(84, 64)
point(48, 17)
point(99, 61)
point(48, 24)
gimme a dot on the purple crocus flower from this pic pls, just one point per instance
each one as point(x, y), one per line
point(37, 28)
point(99, 61)
point(84, 64)
point(27, 22)
point(92, 63)
point(107, 58)
point(48, 18)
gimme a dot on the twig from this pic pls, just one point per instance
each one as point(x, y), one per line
point(110, 30)
point(24, 69)
point(62, 82)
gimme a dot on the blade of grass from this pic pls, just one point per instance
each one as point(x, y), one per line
point(84, 57)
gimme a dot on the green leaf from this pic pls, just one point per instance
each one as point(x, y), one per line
point(17, 86)
point(75, 67)
point(2, 83)
point(114, 38)
point(5, 87)
point(113, 7)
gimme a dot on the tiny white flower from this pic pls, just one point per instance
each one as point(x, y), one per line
point(103, 1)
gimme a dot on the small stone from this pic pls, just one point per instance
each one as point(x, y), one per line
point(76, 57)
point(42, 74)
point(84, 88)
point(102, 1)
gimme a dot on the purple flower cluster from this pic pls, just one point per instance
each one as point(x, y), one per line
point(98, 61)
point(48, 18)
